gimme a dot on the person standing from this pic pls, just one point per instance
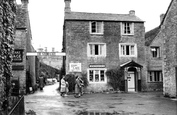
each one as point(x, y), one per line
point(41, 82)
point(82, 86)
point(77, 87)
point(63, 87)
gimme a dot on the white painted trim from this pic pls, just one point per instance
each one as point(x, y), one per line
point(96, 43)
point(135, 50)
point(105, 69)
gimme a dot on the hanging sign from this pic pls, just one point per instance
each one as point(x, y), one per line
point(18, 55)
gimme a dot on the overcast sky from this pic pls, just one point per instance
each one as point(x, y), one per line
point(46, 16)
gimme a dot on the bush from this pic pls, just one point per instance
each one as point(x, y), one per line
point(115, 78)
point(71, 78)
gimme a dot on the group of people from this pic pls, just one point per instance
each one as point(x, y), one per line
point(64, 87)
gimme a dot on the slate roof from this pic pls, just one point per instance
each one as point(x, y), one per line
point(150, 35)
point(20, 17)
point(101, 16)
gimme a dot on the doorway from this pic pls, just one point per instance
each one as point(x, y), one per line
point(131, 81)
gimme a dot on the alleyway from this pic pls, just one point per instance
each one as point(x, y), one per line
point(49, 102)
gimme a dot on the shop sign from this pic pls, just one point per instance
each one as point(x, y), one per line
point(75, 67)
point(97, 66)
point(18, 55)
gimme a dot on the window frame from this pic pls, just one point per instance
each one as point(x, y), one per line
point(94, 73)
point(123, 28)
point(155, 79)
point(123, 53)
point(157, 50)
point(103, 50)
point(102, 27)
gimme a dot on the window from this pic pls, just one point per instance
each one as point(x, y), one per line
point(127, 28)
point(96, 75)
point(127, 49)
point(155, 76)
point(96, 27)
point(155, 51)
point(95, 49)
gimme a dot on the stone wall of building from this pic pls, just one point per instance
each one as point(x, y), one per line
point(78, 36)
point(169, 34)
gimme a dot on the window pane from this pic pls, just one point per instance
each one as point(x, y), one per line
point(101, 49)
point(127, 50)
point(91, 75)
point(96, 50)
point(96, 75)
point(99, 27)
point(93, 28)
point(132, 50)
point(150, 76)
point(102, 75)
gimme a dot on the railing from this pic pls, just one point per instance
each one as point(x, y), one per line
point(18, 108)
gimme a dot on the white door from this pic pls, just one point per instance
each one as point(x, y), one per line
point(131, 81)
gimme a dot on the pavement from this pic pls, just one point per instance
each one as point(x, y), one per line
point(49, 102)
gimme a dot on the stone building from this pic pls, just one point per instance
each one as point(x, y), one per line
point(23, 67)
point(168, 33)
point(96, 42)
point(161, 47)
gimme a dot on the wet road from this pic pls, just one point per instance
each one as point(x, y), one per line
point(49, 102)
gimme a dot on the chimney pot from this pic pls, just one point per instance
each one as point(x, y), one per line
point(132, 12)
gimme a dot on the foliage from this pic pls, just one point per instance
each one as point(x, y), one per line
point(70, 78)
point(7, 33)
point(115, 78)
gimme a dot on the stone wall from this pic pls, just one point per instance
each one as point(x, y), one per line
point(169, 34)
point(78, 35)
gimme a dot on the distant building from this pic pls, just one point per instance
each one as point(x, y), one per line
point(161, 53)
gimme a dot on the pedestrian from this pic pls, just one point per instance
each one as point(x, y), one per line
point(41, 82)
point(82, 86)
point(67, 88)
point(77, 87)
point(63, 87)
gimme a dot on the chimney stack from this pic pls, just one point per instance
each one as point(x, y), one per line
point(67, 5)
point(161, 17)
point(132, 12)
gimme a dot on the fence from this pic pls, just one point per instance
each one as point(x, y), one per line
point(18, 108)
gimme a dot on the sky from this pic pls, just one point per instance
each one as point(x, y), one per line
point(47, 16)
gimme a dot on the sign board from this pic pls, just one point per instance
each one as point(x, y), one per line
point(17, 67)
point(75, 67)
point(18, 55)
point(46, 54)
point(97, 66)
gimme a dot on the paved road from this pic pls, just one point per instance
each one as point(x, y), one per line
point(49, 102)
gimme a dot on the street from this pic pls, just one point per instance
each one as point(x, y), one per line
point(49, 102)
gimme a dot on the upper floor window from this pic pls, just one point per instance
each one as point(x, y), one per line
point(96, 27)
point(155, 51)
point(96, 75)
point(96, 49)
point(127, 50)
point(155, 76)
point(127, 28)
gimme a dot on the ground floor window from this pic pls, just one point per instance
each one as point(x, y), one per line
point(155, 76)
point(96, 75)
